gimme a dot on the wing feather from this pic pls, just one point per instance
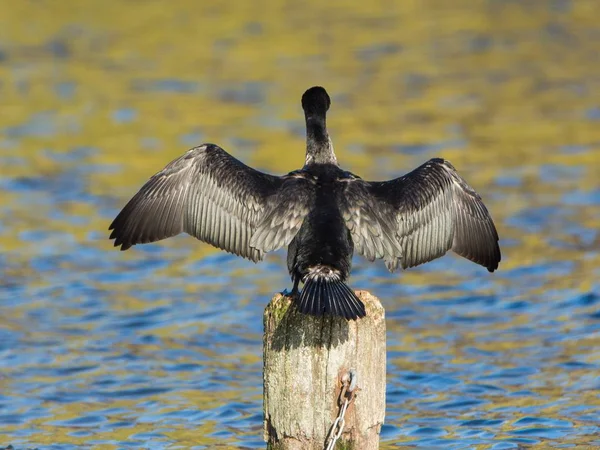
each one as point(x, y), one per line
point(212, 196)
point(435, 210)
point(285, 212)
point(373, 235)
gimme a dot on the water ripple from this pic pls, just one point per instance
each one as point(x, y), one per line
point(160, 346)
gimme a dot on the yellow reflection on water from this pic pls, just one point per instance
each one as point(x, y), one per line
point(496, 87)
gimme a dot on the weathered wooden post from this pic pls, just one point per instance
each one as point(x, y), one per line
point(306, 360)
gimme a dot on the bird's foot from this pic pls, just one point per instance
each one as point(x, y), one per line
point(293, 294)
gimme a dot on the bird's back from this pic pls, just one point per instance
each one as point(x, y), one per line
point(323, 237)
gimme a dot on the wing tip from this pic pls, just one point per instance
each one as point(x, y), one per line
point(123, 245)
point(497, 256)
point(494, 266)
point(120, 240)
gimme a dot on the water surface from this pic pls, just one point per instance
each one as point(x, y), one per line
point(160, 346)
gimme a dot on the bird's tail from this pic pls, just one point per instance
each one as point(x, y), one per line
point(324, 292)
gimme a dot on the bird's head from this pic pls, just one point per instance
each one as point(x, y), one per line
point(315, 101)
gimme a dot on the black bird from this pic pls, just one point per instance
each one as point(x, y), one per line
point(321, 212)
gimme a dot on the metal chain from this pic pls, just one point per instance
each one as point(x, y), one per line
point(346, 397)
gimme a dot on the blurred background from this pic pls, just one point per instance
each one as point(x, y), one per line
point(160, 346)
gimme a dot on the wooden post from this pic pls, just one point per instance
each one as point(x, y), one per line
point(305, 358)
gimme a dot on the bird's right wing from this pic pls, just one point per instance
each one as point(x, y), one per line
point(435, 210)
point(212, 196)
point(368, 220)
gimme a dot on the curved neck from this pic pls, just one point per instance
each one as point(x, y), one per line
point(319, 149)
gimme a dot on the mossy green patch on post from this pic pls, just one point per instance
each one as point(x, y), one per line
point(280, 307)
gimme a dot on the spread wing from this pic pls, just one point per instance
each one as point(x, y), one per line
point(373, 234)
point(433, 210)
point(285, 212)
point(212, 196)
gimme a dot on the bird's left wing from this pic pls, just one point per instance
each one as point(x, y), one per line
point(212, 196)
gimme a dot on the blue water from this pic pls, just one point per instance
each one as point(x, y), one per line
point(156, 340)
point(161, 346)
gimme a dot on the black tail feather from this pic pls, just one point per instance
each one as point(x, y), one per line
point(325, 293)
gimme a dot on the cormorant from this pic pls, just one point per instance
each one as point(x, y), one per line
point(321, 212)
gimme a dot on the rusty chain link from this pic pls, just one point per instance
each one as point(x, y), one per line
point(346, 397)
